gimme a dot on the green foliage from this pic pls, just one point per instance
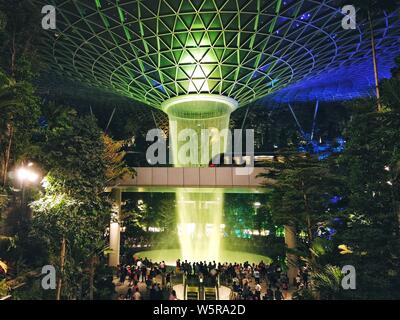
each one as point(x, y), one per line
point(19, 111)
point(391, 93)
point(19, 64)
point(240, 213)
point(4, 200)
point(114, 156)
point(327, 282)
point(321, 247)
point(3, 21)
point(3, 269)
point(326, 285)
point(4, 289)
point(149, 210)
point(19, 38)
point(74, 156)
point(32, 290)
point(372, 231)
point(104, 287)
point(302, 189)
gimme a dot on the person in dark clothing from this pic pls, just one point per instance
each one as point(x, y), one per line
point(159, 292)
point(246, 292)
point(236, 287)
point(269, 295)
point(278, 294)
point(144, 271)
point(168, 280)
point(123, 273)
point(152, 295)
point(129, 294)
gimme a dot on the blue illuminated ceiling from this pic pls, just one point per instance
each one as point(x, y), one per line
point(354, 78)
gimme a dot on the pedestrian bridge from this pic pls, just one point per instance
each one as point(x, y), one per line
point(171, 179)
point(168, 179)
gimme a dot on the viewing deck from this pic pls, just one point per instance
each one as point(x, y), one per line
point(168, 179)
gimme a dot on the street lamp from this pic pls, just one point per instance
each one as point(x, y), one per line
point(256, 206)
point(26, 174)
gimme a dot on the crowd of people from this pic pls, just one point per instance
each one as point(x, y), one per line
point(246, 280)
point(145, 271)
point(240, 277)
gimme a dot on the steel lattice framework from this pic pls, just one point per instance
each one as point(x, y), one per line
point(153, 50)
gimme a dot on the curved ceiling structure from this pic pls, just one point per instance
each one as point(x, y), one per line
point(353, 78)
point(154, 50)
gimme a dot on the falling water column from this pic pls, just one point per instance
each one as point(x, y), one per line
point(199, 214)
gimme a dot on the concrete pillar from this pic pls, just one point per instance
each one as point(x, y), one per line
point(291, 243)
point(115, 229)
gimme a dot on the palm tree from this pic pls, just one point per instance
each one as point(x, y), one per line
point(371, 9)
point(327, 283)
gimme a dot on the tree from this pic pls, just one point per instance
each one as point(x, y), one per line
point(151, 210)
point(114, 156)
point(371, 9)
point(19, 110)
point(391, 88)
point(19, 64)
point(19, 57)
point(303, 185)
point(326, 285)
point(302, 188)
point(371, 231)
point(240, 213)
point(75, 157)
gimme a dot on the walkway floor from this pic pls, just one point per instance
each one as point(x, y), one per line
point(122, 288)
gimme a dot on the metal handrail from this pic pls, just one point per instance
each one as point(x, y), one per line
point(184, 287)
point(217, 287)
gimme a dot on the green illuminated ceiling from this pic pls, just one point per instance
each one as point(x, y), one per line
point(152, 50)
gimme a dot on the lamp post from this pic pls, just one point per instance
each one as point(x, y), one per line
point(26, 174)
point(256, 206)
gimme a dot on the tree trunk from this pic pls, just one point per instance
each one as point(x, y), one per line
point(62, 262)
point(376, 74)
point(91, 277)
point(308, 222)
point(10, 125)
point(310, 239)
point(8, 152)
point(13, 56)
point(291, 243)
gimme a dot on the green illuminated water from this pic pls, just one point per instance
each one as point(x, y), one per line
point(199, 215)
point(200, 225)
